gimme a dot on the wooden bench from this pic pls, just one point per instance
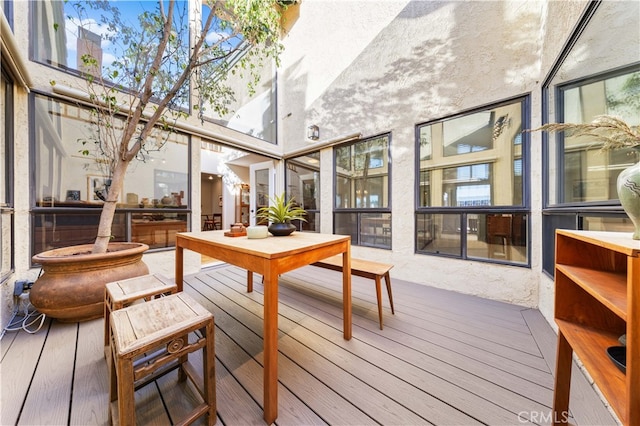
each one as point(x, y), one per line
point(360, 268)
point(366, 269)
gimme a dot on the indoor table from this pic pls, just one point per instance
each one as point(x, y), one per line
point(271, 257)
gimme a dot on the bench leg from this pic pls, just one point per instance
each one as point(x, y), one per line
point(379, 296)
point(387, 280)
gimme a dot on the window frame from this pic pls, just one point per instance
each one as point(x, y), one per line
point(572, 212)
point(294, 161)
point(363, 211)
point(7, 202)
point(464, 211)
point(126, 212)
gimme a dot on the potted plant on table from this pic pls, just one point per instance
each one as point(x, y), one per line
point(279, 215)
point(612, 133)
point(140, 94)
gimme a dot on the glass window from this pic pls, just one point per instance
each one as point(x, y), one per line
point(439, 234)
point(590, 78)
point(472, 165)
point(96, 38)
point(6, 176)
point(362, 172)
point(582, 173)
point(489, 146)
point(155, 199)
point(253, 108)
point(101, 38)
point(7, 8)
point(303, 184)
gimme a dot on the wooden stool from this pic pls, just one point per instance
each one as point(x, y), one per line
point(119, 294)
point(154, 335)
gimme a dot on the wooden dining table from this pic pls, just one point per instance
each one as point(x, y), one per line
point(270, 257)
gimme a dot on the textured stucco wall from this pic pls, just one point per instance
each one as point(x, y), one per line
point(384, 66)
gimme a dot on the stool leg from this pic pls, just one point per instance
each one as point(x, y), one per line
point(113, 379)
point(126, 403)
point(107, 330)
point(387, 280)
point(209, 372)
point(379, 296)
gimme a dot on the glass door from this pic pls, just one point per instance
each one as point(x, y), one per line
point(262, 183)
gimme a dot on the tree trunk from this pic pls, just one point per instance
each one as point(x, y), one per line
point(109, 209)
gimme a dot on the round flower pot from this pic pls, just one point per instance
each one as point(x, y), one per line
point(71, 288)
point(281, 229)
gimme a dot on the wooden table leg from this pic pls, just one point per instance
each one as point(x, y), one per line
point(249, 281)
point(346, 292)
point(179, 266)
point(270, 345)
point(564, 360)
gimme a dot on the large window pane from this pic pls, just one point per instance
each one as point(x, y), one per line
point(375, 230)
point(471, 182)
point(500, 237)
point(156, 184)
point(55, 230)
point(65, 33)
point(343, 224)
point(361, 179)
point(583, 173)
point(362, 174)
point(303, 184)
point(489, 143)
point(439, 234)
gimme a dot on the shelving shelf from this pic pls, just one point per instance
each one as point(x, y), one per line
point(597, 299)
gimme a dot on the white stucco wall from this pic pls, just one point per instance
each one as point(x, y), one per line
point(375, 66)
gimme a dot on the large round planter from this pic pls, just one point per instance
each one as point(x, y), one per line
point(281, 229)
point(628, 186)
point(71, 289)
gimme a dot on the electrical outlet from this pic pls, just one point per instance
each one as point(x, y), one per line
point(22, 286)
point(18, 288)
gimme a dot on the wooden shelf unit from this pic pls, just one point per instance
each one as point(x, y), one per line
point(597, 299)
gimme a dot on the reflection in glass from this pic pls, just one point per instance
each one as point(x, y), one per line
point(303, 185)
point(55, 230)
point(157, 230)
point(375, 230)
point(343, 224)
point(498, 236)
point(62, 130)
point(439, 234)
point(589, 175)
point(488, 143)
point(471, 133)
point(67, 179)
point(362, 174)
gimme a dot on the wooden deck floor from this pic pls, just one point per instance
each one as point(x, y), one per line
point(443, 358)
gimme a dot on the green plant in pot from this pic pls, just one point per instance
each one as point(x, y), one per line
point(164, 66)
point(280, 213)
point(611, 133)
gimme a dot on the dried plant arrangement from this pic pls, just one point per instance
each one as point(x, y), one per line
point(611, 131)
